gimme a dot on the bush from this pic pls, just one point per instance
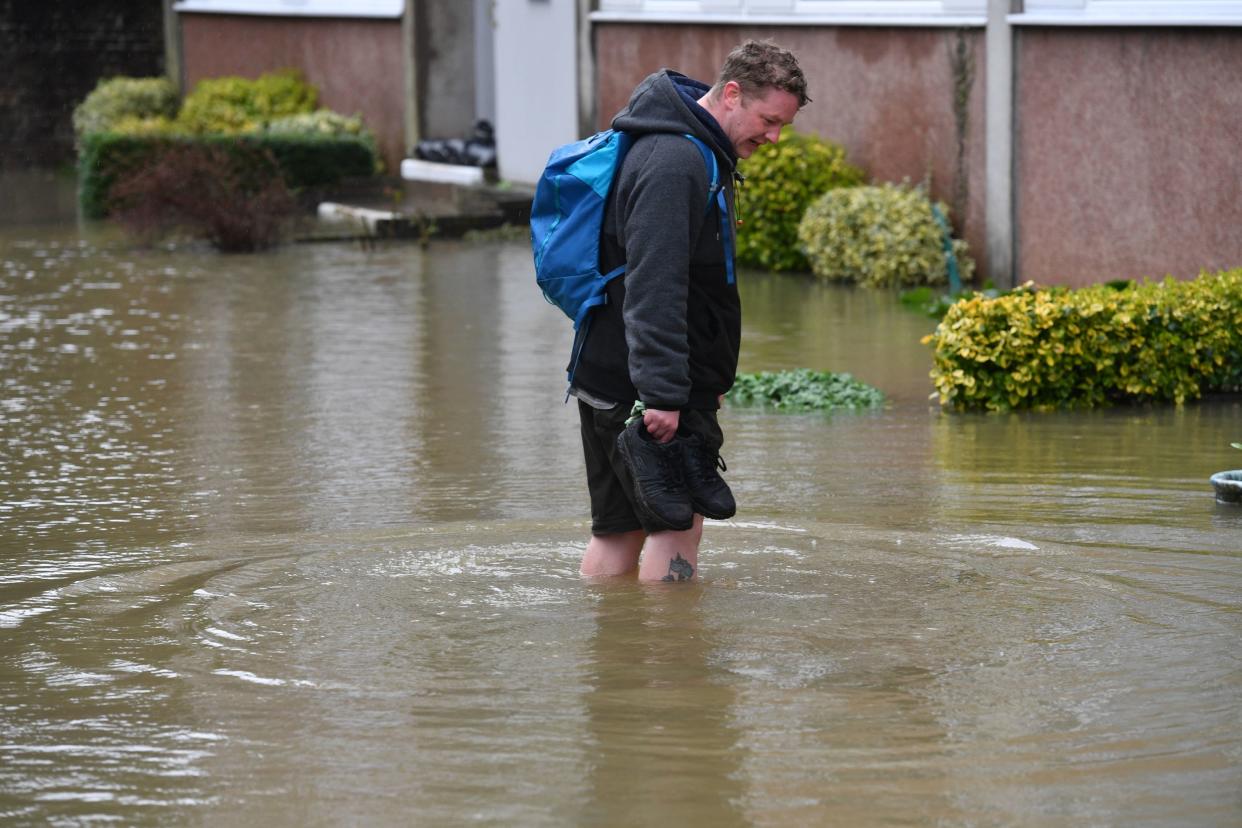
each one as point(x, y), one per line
point(232, 196)
point(274, 113)
point(880, 236)
point(232, 105)
point(322, 122)
point(303, 161)
point(1045, 349)
point(125, 99)
point(150, 126)
point(804, 390)
point(782, 179)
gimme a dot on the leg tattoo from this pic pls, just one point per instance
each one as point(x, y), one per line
point(679, 569)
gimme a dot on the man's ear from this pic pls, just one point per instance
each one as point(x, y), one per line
point(731, 94)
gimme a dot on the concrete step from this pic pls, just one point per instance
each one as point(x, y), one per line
point(388, 208)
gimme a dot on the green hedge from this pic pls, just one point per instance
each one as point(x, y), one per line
point(304, 161)
point(781, 180)
point(1167, 341)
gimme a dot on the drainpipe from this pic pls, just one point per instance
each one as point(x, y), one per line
point(172, 47)
point(999, 197)
point(409, 65)
point(586, 69)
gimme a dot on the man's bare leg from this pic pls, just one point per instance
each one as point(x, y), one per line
point(613, 554)
point(672, 556)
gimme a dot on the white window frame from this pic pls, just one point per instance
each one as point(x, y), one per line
point(296, 8)
point(797, 12)
point(1129, 13)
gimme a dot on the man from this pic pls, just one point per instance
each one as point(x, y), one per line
point(668, 336)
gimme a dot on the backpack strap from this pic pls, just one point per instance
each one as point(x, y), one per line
point(716, 192)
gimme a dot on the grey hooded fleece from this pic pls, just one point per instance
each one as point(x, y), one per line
point(670, 331)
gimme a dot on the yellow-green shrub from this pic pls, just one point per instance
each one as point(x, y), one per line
point(880, 236)
point(321, 122)
point(324, 124)
point(1059, 348)
point(230, 105)
point(781, 180)
point(121, 99)
point(151, 126)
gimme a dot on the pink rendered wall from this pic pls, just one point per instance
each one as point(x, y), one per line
point(885, 94)
point(1128, 152)
point(355, 63)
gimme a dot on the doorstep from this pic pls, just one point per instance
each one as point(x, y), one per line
point(416, 208)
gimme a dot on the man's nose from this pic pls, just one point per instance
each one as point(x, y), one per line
point(773, 135)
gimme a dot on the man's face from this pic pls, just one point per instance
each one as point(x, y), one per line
point(754, 120)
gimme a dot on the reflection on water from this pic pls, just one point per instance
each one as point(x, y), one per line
point(663, 746)
point(294, 538)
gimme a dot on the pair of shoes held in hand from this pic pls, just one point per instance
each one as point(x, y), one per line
point(674, 480)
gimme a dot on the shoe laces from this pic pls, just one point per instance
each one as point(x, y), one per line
point(668, 462)
point(705, 464)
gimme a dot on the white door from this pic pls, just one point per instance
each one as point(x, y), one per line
point(536, 83)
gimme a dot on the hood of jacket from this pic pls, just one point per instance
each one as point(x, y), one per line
point(667, 101)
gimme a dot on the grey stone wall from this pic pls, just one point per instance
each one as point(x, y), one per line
point(52, 53)
point(445, 46)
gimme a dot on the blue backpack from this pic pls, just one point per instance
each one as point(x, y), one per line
point(566, 221)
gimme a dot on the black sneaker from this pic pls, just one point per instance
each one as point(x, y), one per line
point(709, 494)
point(659, 482)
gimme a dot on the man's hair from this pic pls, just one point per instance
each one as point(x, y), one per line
point(758, 66)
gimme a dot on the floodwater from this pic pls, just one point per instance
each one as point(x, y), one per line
point(292, 539)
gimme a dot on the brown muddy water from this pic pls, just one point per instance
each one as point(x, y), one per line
point(293, 539)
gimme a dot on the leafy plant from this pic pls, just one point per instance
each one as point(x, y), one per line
point(1044, 349)
point(804, 390)
point(231, 105)
point(155, 125)
point(322, 122)
point(129, 100)
point(782, 179)
point(232, 196)
point(880, 236)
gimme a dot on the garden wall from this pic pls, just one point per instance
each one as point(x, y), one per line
point(356, 63)
point(890, 96)
point(1125, 146)
point(1127, 152)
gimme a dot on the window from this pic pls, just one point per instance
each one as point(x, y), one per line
point(1130, 13)
point(297, 8)
point(823, 12)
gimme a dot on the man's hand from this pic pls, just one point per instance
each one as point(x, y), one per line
point(661, 425)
